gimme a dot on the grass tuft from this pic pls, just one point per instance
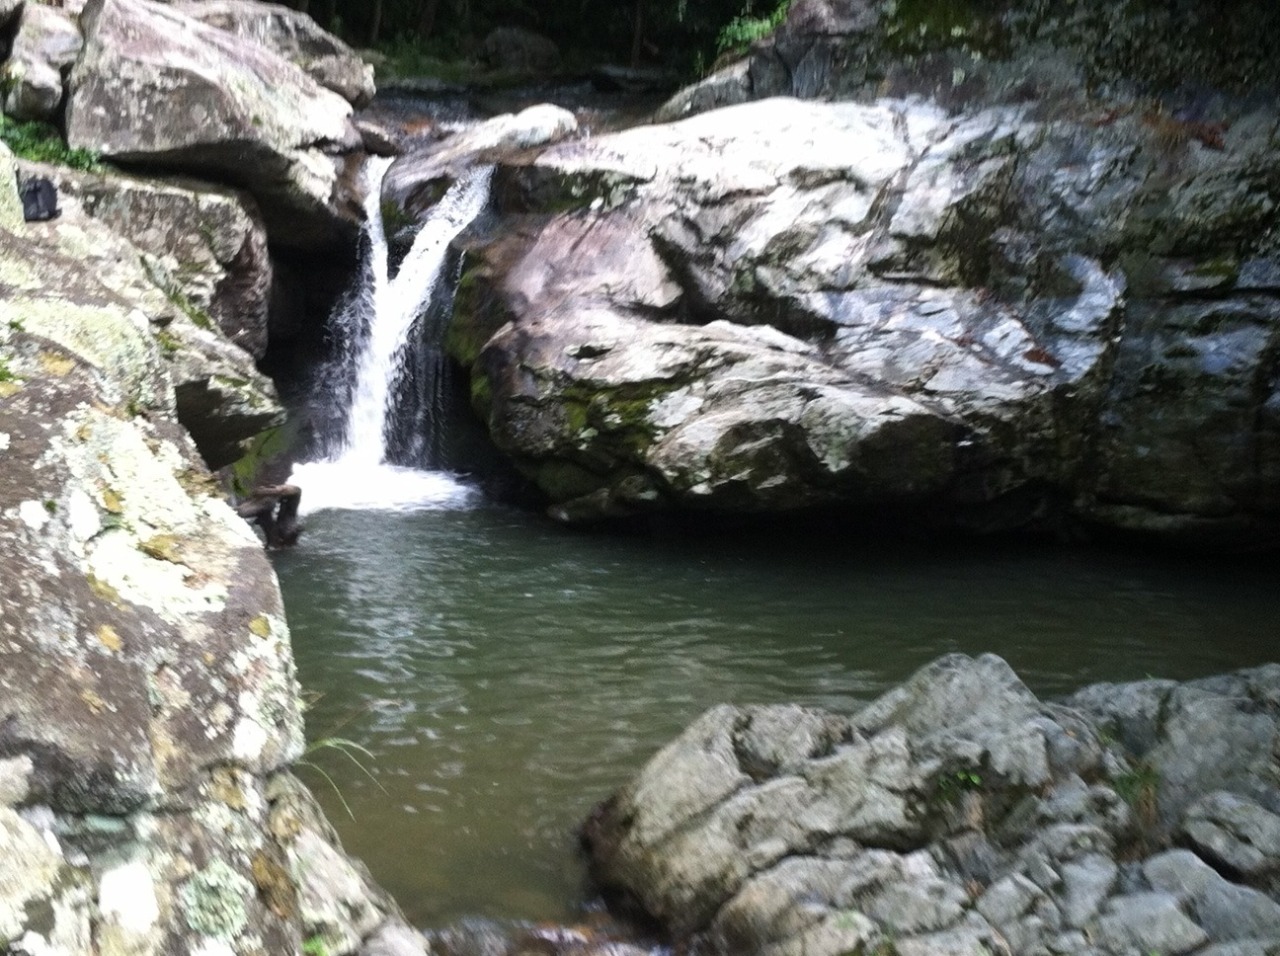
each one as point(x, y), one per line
point(42, 143)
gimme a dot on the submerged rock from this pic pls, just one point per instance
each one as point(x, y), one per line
point(957, 813)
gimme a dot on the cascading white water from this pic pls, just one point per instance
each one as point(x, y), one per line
point(357, 475)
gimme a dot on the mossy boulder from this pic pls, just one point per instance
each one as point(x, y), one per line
point(967, 319)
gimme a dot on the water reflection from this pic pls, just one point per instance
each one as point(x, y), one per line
point(507, 674)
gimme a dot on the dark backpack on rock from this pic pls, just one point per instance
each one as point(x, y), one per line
point(39, 199)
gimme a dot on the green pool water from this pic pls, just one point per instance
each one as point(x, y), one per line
point(505, 674)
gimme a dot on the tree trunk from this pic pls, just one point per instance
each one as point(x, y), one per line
point(637, 34)
point(375, 23)
point(427, 18)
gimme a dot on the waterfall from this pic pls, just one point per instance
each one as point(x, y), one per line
point(378, 321)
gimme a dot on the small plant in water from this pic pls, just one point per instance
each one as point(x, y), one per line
point(315, 947)
point(349, 749)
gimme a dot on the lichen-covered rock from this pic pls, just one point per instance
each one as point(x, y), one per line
point(155, 87)
point(221, 398)
point(208, 243)
point(148, 704)
point(47, 43)
point(294, 36)
point(957, 813)
point(10, 204)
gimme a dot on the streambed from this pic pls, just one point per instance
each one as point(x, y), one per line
point(506, 674)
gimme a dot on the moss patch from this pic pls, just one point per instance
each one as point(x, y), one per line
point(258, 450)
point(914, 27)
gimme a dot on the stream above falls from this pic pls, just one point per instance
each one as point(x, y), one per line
point(506, 674)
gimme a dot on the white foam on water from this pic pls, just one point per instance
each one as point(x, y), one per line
point(357, 485)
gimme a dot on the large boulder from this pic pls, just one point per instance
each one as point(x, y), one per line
point(987, 319)
point(1005, 50)
point(957, 814)
point(296, 37)
point(47, 43)
point(416, 180)
point(156, 88)
point(148, 705)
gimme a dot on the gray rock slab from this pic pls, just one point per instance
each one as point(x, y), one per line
point(1227, 911)
point(1234, 831)
point(1148, 922)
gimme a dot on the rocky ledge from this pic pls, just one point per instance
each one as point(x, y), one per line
point(991, 290)
point(149, 713)
point(958, 815)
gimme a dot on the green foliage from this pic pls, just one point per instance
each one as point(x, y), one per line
point(439, 38)
point(6, 373)
point(167, 341)
point(953, 785)
point(315, 946)
point(42, 143)
point(744, 30)
point(1137, 786)
point(916, 27)
point(407, 56)
point(166, 284)
point(258, 450)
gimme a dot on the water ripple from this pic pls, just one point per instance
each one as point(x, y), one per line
point(507, 674)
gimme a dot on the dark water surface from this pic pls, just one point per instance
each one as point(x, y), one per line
point(506, 674)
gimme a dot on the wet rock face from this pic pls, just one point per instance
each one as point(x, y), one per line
point(993, 319)
point(1000, 50)
point(148, 705)
point(960, 814)
point(156, 87)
